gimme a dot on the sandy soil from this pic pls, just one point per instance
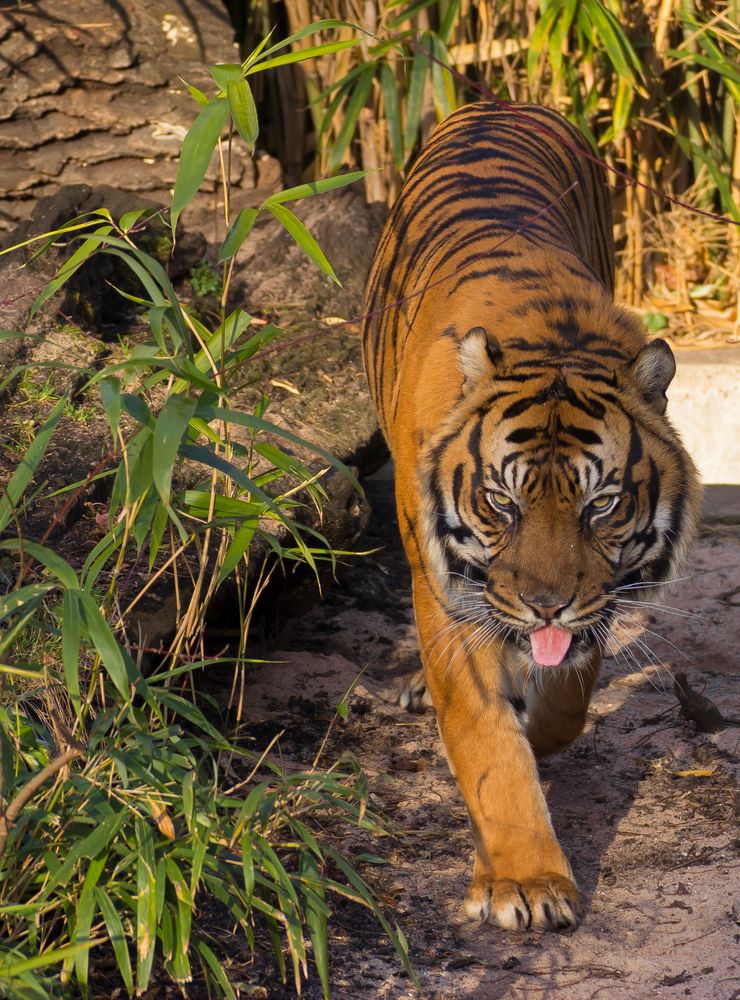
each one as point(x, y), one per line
point(643, 802)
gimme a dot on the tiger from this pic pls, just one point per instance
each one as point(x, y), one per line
point(536, 471)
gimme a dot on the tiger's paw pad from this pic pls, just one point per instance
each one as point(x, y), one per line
point(549, 903)
point(414, 696)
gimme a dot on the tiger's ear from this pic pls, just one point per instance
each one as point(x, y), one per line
point(480, 355)
point(652, 372)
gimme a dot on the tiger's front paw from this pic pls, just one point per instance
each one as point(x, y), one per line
point(551, 902)
point(414, 695)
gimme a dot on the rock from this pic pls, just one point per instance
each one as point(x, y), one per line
point(94, 96)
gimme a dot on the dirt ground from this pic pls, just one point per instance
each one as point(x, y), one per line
point(642, 802)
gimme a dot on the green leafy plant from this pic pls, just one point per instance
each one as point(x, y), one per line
point(654, 87)
point(204, 279)
point(120, 818)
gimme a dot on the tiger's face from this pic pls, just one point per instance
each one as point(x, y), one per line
point(552, 490)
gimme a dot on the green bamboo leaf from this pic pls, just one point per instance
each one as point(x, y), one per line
point(621, 113)
point(189, 711)
point(351, 116)
point(311, 29)
point(415, 99)
point(209, 961)
point(169, 430)
point(86, 907)
point(102, 638)
point(138, 408)
point(129, 219)
point(303, 238)
point(195, 155)
point(538, 42)
point(18, 600)
point(314, 187)
point(258, 424)
point(182, 923)
point(71, 628)
point(146, 904)
point(340, 88)
point(159, 524)
point(256, 52)
point(240, 228)
point(449, 20)
point(615, 43)
point(556, 41)
point(100, 839)
point(208, 457)
point(720, 65)
point(238, 548)
point(243, 111)
point(198, 502)
point(248, 866)
point(74, 225)
point(411, 11)
point(300, 55)
point(307, 837)
point(110, 396)
point(188, 801)
point(222, 73)
point(720, 178)
point(56, 565)
point(318, 925)
point(199, 96)
point(69, 267)
point(145, 515)
point(116, 936)
point(12, 966)
point(443, 88)
point(11, 496)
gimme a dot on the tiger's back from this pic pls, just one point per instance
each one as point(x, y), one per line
point(487, 173)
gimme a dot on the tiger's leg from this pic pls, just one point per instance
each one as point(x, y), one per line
point(557, 705)
point(521, 877)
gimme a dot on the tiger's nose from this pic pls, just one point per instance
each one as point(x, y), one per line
point(547, 606)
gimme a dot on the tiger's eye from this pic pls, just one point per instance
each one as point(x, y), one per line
point(499, 500)
point(603, 504)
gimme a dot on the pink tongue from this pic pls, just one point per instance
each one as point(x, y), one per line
point(549, 645)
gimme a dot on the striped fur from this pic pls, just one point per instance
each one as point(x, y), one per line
point(535, 467)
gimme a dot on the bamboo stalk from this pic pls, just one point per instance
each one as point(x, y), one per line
point(663, 23)
point(643, 174)
point(734, 239)
point(468, 53)
point(375, 187)
point(629, 207)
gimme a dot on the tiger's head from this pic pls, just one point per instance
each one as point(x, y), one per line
point(555, 487)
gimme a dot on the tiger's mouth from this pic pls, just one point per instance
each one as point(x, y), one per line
point(552, 647)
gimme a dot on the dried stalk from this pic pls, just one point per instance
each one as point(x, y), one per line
point(24, 796)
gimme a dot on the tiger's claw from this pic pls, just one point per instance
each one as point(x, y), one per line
point(547, 903)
